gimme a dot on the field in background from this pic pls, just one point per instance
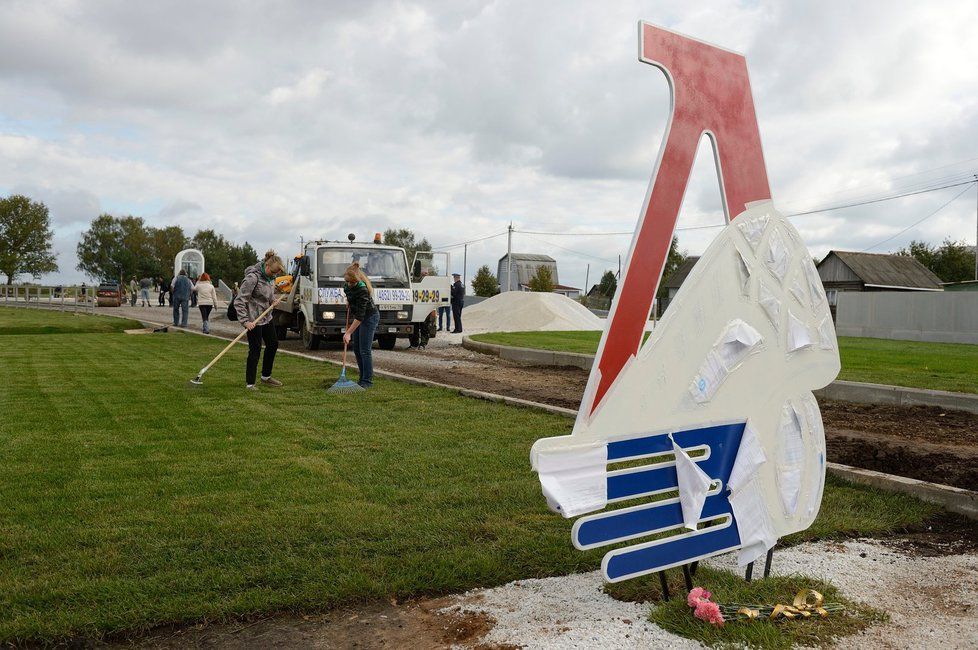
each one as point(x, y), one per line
point(130, 500)
point(939, 366)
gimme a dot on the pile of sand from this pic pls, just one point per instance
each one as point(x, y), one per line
point(522, 311)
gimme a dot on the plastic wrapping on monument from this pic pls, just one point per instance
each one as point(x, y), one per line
point(718, 403)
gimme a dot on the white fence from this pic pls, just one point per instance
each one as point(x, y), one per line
point(77, 299)
point(937, 316)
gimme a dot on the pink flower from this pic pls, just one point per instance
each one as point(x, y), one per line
point(709, 612)
point(696, 595)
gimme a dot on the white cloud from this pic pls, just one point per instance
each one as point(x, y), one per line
point(273, 121)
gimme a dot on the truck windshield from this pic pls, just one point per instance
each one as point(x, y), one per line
point(377, 263)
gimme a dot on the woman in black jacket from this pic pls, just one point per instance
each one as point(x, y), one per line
point(366, 317)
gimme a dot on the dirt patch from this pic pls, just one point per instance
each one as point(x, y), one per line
point(885, 452)
point(940, 536)
point(418, 624)
point(917, 423)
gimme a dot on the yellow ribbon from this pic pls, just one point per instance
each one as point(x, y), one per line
point(806, 603)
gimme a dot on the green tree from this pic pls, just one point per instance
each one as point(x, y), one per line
point(951, 261)
point(25, 238)
point(116, 248)
point(485, 283)
point(166, 242)
point(407, 240)
point(674, 260)
point(608, 285)
point(543, 280)
point(223, 259)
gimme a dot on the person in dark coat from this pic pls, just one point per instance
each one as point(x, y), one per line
point(366, 317)
point(180, 291)
point(162, 292)
point(256, 295)
point(458, 301)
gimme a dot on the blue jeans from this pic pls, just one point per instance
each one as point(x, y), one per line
point(363, 341)
point(447, 312)
point(180, 304)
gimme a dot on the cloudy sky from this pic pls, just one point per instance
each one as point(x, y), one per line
point(271, 121)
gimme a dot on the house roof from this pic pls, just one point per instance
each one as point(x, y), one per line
point(564, 287)
point(529, 257)
point(676, 279)
point(888, 271)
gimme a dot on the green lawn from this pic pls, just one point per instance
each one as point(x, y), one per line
point(128, 499)
point(941, 366)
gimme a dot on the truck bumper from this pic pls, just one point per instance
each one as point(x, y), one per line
point(335, 330)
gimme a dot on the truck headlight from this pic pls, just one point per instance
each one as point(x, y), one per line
point(402, 315)
point(329, 315)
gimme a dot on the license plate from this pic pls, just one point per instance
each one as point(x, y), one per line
point(391, 329)
point(387, 307)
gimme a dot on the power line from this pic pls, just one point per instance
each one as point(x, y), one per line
point(470, 241)
point(878, 200)
point(924, 172)
point(917, 223)
point(571, 250)
point(577, 234)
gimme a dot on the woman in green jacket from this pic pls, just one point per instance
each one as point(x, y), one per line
point(366, 317)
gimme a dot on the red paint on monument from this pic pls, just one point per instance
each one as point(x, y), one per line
point(711, 93)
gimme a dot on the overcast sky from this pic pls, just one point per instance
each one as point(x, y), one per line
point(271, 121)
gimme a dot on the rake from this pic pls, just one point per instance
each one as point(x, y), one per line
point(344, 385)
point(198, 380)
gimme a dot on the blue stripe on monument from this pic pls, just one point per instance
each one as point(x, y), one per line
point(681, 551)
point(608, 527)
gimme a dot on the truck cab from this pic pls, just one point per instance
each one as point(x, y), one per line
point(316, 306)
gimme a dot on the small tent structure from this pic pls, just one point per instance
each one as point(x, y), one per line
point(190, 260)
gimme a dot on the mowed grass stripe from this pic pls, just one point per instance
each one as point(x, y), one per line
point(938, 366)
point(129, 499)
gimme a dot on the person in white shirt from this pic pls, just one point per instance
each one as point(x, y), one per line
point(206, 299)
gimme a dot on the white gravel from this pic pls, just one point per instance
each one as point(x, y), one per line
point(524, 311)
point(567, 612)
point(932, 601)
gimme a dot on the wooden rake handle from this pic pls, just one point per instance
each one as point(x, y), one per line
point(237, 338)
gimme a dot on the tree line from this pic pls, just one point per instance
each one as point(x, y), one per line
point(952, 261)
point(119, 248)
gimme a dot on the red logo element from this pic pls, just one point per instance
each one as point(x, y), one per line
point(711, 94)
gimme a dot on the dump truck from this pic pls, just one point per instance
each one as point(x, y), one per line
point(408, 297)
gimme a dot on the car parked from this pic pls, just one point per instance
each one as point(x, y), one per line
point(109, 294)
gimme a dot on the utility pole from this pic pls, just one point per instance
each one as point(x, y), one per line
point(509, 258)
point(587, 275)
point(465, 266)
point(619, 266)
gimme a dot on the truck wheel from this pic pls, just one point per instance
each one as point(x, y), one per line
point(415, 338)
point(386, 341)
point(281, 332)
point(309, 340)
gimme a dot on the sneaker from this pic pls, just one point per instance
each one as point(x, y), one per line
point(251, 387)
point(271, 381)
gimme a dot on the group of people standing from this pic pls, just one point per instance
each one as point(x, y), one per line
point(252, 305)
point(184, 293)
